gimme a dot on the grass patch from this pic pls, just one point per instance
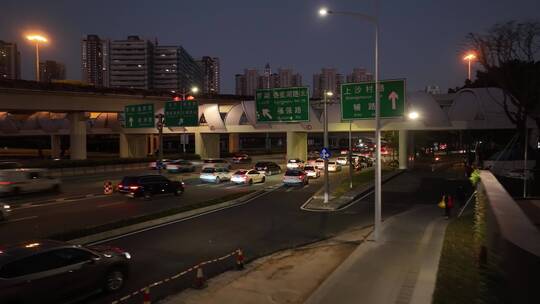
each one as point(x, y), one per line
point(361, 178)
point(78, 233)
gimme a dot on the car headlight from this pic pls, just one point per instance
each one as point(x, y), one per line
point(127, 255)
point(7, 206)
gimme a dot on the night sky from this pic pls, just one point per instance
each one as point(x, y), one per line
point(420, 40)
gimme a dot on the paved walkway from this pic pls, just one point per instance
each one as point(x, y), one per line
point(400, 268)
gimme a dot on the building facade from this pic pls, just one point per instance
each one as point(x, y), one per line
point(131, 63)
point(10, 61)
point(50, 70)
point(359, 75)
point(211, 77)
point(251, 80)
point(95, 60)
point(330, 80)
point(175, 69)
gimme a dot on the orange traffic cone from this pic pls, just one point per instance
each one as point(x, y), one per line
point(200, 280)
point(107, 188)
point(146, 296)
point(239, 259)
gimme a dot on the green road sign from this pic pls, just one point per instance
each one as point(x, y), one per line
point(139, 116)
point(183, 113)
point(358, 99)
point(282, 105)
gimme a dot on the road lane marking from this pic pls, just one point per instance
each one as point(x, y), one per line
point(22, 219)
point(111, 204)
point(289, 189)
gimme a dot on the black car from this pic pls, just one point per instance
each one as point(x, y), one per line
point(47, 271)
point(268, 168)
point(149, 185)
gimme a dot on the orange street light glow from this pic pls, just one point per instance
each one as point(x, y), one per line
point(37, 38)
point(470, 56)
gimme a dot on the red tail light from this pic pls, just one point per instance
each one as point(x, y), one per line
point(6, 183)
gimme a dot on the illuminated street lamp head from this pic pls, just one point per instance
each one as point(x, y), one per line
point(324, 11)
point(329, 94)
point(469, 56)
point(413, 115)
point(194, 90)
point(36, 38)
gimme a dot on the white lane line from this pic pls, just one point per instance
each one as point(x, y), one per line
point(22, 219)
point(231, 187)
point(200, 185)
point(180, 220)
point(305, 186)
point(289, 189)
point(111, 204)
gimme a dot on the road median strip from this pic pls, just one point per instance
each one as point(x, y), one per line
point(125, 227)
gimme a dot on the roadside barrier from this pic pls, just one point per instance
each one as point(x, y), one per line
point(200, 279)
point(108, 188)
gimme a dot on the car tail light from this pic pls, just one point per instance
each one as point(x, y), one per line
point(133, 187)
point(6, 183)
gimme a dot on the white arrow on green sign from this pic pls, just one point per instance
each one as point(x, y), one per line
point(282, 104)
point(139, 116)
point(358, 99)
point(183, 113)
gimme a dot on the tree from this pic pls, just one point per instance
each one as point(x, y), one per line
point(508, 53)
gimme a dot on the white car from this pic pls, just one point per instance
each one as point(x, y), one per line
point(333, 166)
point(153, 165)
point(319, 163)
point(246, 176)
point(4, 211)
point(215, 174)
point(15, 181)
point(180, 166)
point(295, 163)
point(216, 162)
point(295, 177)
point(312, 171)
point(342, 160)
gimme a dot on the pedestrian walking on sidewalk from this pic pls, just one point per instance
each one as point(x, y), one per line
point(448, 205)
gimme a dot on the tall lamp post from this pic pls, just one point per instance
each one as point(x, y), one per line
point(326, 177)
point(194, 90)
point(37, 39)
point(469, 57)
point(375, 21)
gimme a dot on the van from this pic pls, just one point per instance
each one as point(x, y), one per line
point(16, 181)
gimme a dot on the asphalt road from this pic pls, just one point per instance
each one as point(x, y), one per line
point(267, 224)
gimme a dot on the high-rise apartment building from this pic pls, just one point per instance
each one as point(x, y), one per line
point(359, 75)
point(250, 81)
point(131, 63)
point(50, 70)
point(211, 74)
point(10, 61)
point(95, 60)
point(175, 70)
point(330, 80)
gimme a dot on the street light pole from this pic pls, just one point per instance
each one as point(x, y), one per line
point(350, 156)
point(37, 62)
point(160, 118)
point(326, 179)
point(37, 39)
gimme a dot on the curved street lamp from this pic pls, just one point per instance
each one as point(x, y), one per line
point(37, 39)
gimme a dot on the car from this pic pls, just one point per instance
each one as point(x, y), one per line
point(311, 161)
point(149, 185)
point(333, 166)
point(241, 158)
point(342, 160)
point(344, 151)
point(314, 153)
point(215, 174)
point(295, 163)
point(5, 210)
point(154, 165)
point(248, 176)
point(312, 171)
point(180, 166)
point(295, 177)
point(16, 181)
point(319, 163)
point(216, 162)
point(47, 271)
point(268, 168)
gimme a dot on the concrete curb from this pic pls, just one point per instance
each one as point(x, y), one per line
point(140, 227)
point(348, 198)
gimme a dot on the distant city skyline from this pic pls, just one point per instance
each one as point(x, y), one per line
point(289, 34)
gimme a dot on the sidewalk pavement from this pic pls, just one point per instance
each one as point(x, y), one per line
point(400, 268)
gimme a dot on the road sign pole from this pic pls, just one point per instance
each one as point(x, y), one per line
point(326, 179)
point(350, 155)
point(377, 219)
point(184, 139)
point(160, 130)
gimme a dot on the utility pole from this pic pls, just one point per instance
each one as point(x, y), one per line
point(159, 126)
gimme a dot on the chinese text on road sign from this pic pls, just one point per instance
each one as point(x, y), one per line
point(139, 116)
point(183, 113)
point(358, 99)
point(282, 105)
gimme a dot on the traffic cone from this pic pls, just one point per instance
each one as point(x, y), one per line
point(107, 188)
point(239, 259)
point(146, 296)
point(200, 280)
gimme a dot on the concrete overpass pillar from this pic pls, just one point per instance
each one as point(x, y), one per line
point(56, 146)
point(234, 142)
point(297, 145)
point(132, 145)
point(403, 149)
point(77, 135)
point(207, 145)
